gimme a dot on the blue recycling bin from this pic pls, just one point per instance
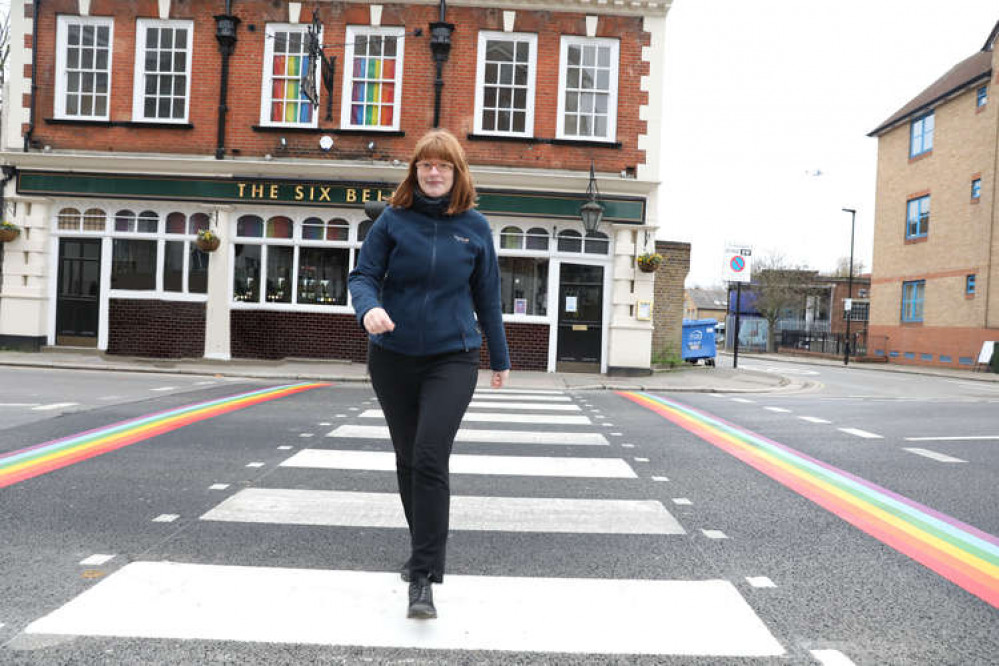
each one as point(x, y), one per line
point(698, 340)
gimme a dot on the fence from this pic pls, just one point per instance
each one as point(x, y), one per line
point(817, 342)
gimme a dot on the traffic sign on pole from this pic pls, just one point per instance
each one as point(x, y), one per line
point(738, 266)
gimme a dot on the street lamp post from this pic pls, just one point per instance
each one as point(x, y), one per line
point(849, 287)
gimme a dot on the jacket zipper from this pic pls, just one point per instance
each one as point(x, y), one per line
point(426, 295)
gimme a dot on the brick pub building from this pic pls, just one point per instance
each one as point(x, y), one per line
point(129, 127)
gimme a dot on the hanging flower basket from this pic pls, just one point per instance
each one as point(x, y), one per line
point(8, 232)
point(207, 241)
point(649, 262)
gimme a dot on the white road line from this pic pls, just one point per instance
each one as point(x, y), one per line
point(485, 436)
point(523, 405)
point(970, 438)
point(518, 391)
point(285, 447)
point(306, 434)
point(857, 432)
point(205, 383)
point(18, 404)
point(659, 478)
point(166, 518)
point(96, 559)
point(641, 460)
point(779, 410)
point(492, 417)
point(760, 581)
point(602, 468)
point(218, 486)
point(628, 446)
point(939, 457)
point(831, 658)
point(164, 388)
point(682, 501)
point(537, 398)
point(469, 513)
point(179, 601)
point(744, 400)
point(255, 464)
point(813, 419)
point(714, 534)
point(325, 423)
point(54, 405)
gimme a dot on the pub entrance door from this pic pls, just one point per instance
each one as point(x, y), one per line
point(580, 318)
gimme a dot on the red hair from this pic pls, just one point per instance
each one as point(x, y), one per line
point(439, 144)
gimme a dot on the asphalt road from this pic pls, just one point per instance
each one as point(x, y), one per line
point(216, 549)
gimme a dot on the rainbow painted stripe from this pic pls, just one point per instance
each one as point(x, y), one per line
point(49, 456)
point(959, 552)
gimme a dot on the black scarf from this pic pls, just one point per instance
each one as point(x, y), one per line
point(434, 207)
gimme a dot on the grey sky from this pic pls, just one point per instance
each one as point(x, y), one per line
point(762, 95)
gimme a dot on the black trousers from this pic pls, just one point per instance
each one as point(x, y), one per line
point(424, 399)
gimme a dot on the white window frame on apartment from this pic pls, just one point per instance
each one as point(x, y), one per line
point(139, 79)
point(62, 76)
point(612, 89)
point(532, 61)
point(267, 80)
point(348, 77)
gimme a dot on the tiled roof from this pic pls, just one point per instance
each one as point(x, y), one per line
point(966, 72)
point(709, 299)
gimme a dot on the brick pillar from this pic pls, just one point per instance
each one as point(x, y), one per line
point(667, 308)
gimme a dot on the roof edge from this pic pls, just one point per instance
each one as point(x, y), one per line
point(895, 122)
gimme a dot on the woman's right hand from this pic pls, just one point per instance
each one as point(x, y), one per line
point(377, 321)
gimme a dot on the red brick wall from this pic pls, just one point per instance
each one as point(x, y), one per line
point(917, 339)
point(417, 96)
point(528, 345)
point(160, 329)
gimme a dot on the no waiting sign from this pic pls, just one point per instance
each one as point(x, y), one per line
point(738, 265)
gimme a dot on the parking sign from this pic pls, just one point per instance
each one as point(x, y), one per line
point(738, 265)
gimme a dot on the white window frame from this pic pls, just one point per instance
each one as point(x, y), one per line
point(139, 78)
point(348, 78)
point(62, 44)
point(612, 100)
point(480, 76)
point(267, 80)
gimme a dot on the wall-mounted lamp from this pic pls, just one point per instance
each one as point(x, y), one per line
point(371, 146)
point(283, 142)
point(592, 212)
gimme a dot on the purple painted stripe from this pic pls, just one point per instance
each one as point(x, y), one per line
point(985, 536)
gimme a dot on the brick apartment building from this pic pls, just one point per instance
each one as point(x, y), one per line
point(128, 127)
point(935, 274)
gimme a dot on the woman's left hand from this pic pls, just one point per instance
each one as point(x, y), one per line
point(500, 378)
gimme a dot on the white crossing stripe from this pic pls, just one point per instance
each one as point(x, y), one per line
point(600, 468)
point(163, 388)
point(743, 400)
point(513, 391)
point(96, 559)
point(779, 410)
point(523, 405)
point(167, 600)
point(18, 404)
point(501, 514)
point(54, 405)
point(537, 398)
point(218, 486)
point(489, 417)
point(813, 419)
point(939, 457)
point(860, 433)
point(484, 436)
point(831, 658)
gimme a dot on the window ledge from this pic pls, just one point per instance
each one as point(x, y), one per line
point(969, 297)
point(289, 129)
point(976, 200)
point(118, 123)
point(79, 121)
point(918, 239)
point(912, 324)
point(369, 132)
point(539, 139)
point(153, 124)
point(920, 156)
point(587, 142)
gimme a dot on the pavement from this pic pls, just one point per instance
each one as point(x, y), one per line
point(722, 378)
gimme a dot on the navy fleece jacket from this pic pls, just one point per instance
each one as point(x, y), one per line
point(431, 273)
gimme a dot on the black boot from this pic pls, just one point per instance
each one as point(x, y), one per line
point(421, 600)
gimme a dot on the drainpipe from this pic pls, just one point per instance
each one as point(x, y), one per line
point(225, 33)
point(440, 47)
point(34, 76)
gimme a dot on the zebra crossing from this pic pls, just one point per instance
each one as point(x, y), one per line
point(538, 613)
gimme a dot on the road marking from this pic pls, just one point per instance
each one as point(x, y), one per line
point(857, 432)
point(813, 419)
point(779, 410)
point(488, 417)
point(939, 457)
point(641, 460)
point(325, 423)
point(340, 416)
point(18, 404)
point(605, 468)
point(285, 447)
point(537, 398)
point(218, 486)
point(54, 405)
point(166, 518)
point(96, 559)
point(255, 464)
point(714, 534)
point(523, 405)
point(971, 438)
point(485, 436)
point(518, 392)
point(744, 400)
point(205, 383)
point(163, 388)
point(831, 658)
point(168, 600)
point(615, 434)
point(659, 478)
point(682, 501)
point(306, 434)
point(628, 446)
point(353, 409)
point(760, 581)
point(469, 513)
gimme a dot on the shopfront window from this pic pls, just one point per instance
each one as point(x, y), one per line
point(246, 273)
point(570, 241)
point(596, 243)
point(181, 256)
point(524, 285)
point(133, 264)
point(279, 260)
point(322, 276)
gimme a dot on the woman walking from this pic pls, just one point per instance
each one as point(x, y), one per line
point(426, 269)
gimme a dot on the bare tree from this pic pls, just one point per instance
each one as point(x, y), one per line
point(779, 287)
point(842, 269)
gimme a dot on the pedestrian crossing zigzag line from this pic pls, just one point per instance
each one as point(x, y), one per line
point(103, 431)
point(69, 450)
point(949, 529)
point(960, 567)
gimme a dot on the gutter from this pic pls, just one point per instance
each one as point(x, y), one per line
point(34, 76)
point(985, 76)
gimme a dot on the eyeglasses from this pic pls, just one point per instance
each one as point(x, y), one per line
point(442, 167)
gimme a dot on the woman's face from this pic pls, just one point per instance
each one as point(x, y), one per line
point(436, 177)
